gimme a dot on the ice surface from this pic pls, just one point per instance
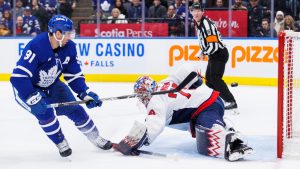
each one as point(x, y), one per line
point(24, 145)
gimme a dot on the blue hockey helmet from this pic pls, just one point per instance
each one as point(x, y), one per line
point(144, 86)
point(61, 23)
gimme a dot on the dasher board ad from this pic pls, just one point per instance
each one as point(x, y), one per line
point(248, 58)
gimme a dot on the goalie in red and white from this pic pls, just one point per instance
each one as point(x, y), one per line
point(197, 107)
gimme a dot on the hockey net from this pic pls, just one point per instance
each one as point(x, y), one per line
point(288, 130)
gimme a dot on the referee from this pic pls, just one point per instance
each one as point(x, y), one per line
point(211, 45)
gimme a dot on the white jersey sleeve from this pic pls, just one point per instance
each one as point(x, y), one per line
point(156, 118)
point(183, 72)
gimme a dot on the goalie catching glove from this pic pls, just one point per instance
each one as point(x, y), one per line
point(136, 138)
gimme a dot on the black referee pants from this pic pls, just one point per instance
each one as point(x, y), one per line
point(214, 74)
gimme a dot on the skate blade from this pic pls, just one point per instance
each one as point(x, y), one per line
point(233, 111)
point(238, 155)
point(67, 159)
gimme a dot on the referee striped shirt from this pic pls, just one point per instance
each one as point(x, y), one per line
point(209, 37)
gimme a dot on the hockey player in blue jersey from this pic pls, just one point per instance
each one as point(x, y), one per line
point(31, 23)
point(36, 83)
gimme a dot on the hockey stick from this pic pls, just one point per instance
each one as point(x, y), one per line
point(187, 80)
point(152, 153)
point(54, 105)
point(173, 157)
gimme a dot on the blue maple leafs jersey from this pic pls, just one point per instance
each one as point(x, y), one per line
point(40, 66)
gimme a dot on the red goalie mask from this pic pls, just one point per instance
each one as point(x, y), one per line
point(144, 86)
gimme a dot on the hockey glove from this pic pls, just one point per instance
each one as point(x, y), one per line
point(37, 104)
point(127, 146)
point(136, 138)
point(93, 99)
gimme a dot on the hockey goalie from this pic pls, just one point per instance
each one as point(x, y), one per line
point(196, 106)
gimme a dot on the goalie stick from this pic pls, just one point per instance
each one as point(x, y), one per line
point(187, 80)
point(173, 157)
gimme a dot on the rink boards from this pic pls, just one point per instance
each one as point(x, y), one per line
point(251, 62)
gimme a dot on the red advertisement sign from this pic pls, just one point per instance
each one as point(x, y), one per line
point(239, 23)
point(125, 30)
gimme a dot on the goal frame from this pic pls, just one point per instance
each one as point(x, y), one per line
point(286, 77)
point(281, 44)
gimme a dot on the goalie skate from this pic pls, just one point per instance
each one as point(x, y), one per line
point(64, 148)
point(240, 153)
point(236, 149)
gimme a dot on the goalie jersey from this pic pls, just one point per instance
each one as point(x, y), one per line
point(177, 108)
point(40, 66)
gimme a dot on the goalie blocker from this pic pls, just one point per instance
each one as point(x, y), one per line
point(218, 142)
point(136, 138)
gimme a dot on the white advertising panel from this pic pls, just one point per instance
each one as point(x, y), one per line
point(248, 57)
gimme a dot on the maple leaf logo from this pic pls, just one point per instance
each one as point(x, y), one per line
point(105, 6)
point(46, 79)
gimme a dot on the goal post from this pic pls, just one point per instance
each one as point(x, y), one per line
point(288, 125)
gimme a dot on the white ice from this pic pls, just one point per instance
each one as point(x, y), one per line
point(24, 145)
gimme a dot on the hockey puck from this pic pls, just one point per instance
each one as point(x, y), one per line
point(234, 84)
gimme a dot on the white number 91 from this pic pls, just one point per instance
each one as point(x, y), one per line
point(29, 55)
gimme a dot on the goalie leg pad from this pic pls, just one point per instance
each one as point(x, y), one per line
point(136, 138)
point(211, 142)
point(220, 143)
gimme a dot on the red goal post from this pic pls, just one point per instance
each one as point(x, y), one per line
point(288, 127)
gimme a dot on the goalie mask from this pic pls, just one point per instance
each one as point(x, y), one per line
point(144, 86)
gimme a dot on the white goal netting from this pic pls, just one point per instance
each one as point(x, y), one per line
point(289, 94)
